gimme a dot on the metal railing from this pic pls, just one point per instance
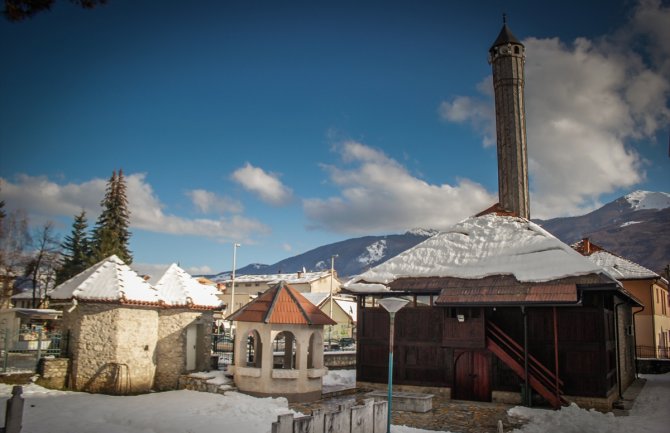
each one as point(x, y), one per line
point(222, 346)
point(652, 352)
point(22, 350)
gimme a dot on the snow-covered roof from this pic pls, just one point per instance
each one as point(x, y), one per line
point(620, 268)
point(316, 298)
point(483, 246)
point(178, 288)
point(272, 279)
point(349, 307)
point(109, 280)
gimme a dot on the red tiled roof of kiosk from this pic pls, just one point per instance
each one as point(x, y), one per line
point(282, 304)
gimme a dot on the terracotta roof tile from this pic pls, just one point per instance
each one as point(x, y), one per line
point(282, 304)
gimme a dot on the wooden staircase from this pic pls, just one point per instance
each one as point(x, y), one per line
point(540, 378)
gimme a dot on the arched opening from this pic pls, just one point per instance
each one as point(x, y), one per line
point(315, 341)
point(516, 50)
point(253, 349)
point(284, 347)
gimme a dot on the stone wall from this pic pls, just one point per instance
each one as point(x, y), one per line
point(53, 373)
point(171, 347)
point(339, 360)
point(111, 348)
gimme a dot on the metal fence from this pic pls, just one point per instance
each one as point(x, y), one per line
point(222, 346)
point(21, 350)
point(652, 352)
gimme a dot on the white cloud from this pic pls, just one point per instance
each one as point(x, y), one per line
point(209, 202)
point(266, 185)
point(585, 103)
point(379, 194)
point(287, 247)
point(45, 198)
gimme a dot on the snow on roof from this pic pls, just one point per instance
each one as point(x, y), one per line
point(648, 200)
point(176, 288)
point(107, 280)
point(316, 298)
point(620, 268)
point(483, 246)
point(294, 278)
point(349, 307)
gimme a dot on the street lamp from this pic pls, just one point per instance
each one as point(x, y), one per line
point(392, 305)
point(232, 296)
point(332, 277)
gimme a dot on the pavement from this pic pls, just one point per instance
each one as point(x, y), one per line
point(456, 416)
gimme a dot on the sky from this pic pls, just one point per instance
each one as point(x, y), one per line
point(284, 126)
point(52, 411)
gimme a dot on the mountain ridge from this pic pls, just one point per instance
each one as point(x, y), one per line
point(634, 226)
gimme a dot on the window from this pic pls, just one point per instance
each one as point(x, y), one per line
point(253, 350)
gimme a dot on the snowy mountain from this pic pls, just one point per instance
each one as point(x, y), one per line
point(353, 255)
point(634, 226)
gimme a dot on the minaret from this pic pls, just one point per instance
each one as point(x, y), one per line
point(507, 57)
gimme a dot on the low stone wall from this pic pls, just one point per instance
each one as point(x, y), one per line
point(339, 360)
point(653, 366)
point(443, 392)
point(370, 417)
point(53, 372)
point(200, 383)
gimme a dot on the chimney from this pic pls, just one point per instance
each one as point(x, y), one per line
point(586, 246)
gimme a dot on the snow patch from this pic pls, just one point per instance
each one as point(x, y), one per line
point(640, 200)
point(374, 253)
point(630, 223)
point(422, 232)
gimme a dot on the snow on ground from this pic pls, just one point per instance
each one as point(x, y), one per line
point(199, 412)
point(340, 378)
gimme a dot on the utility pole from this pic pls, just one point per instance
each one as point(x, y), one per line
point(232, 284)
point(332, 277)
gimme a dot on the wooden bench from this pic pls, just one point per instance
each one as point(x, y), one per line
point(407, 401)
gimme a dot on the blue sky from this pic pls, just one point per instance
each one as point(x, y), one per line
point(288, 125)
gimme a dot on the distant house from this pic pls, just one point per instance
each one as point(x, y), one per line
point(343, 312)
point(127, 336)
point(23, 294)
point(652, 322)
point(248, 287)
point(489, 296)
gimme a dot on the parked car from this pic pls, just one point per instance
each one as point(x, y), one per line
point(347, 343)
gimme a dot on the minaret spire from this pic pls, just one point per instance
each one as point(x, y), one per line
point(507, 56)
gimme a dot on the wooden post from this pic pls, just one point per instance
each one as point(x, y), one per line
point(14, 413)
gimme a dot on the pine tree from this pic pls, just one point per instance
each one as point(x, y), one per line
point(111, 234)
point(76, 250)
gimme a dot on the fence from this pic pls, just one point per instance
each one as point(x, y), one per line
point(222, 346)
point(369, 417)
point(21, 350)
point(652, 352)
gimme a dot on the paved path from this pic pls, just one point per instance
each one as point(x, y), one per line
point(447, 415)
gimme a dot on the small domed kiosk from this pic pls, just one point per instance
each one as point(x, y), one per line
point(279, 346)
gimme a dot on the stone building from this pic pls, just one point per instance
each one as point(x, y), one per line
point(127, 336)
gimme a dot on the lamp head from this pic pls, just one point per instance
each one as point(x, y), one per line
point(392, 305)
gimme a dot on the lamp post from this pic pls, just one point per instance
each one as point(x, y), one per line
point(232, 295)
point(332, 277)
point(392, 305)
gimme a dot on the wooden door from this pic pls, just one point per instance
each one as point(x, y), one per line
point(472, 376)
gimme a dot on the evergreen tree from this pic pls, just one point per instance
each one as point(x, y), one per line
point(111, 234)
point(76, 250)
